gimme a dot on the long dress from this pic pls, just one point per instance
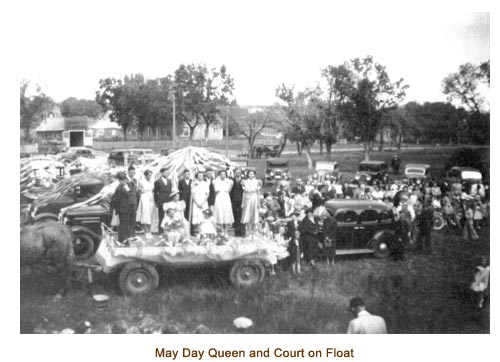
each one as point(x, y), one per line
point(223, 212)
point(199, 192)
point(146, 208)
point(179, 207)
point(250, 205)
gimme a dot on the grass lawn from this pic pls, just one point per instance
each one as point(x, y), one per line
point(423, 294)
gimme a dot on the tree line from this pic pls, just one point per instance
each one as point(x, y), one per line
point(356, 100)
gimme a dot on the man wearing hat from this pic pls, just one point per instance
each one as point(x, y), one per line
point(299, 188)
point(236, 196)
point(161, 192)
point(120, 203)
point(294, 248)
point(364, 323)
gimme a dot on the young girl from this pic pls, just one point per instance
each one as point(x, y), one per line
point(172, 227)
point(481, 281)
point(207, 226)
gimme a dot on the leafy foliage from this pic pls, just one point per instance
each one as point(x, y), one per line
point(72, 106)
point(33, 109)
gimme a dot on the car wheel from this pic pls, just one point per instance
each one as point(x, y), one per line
point(83, 246)
point(382, 246)
point(138, 278)
point(438, 222)
point(247, 273)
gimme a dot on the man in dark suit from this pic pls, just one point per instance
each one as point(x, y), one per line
point(133, 198)
point(236, 195)
point(330, 239)
point(209, 176)
point(161, 193)
point(121, 204)
point(185, 191)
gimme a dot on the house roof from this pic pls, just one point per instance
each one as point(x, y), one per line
point(51, 124)
point(105, 123)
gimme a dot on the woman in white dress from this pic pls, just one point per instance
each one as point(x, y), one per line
point(178, 206)
point(200, 190)
point(250, 204)
point(223, 211)
point(146, 209)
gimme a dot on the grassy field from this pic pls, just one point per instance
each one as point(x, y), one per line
point(423, 294)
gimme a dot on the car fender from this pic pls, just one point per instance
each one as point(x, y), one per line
point(45, 216)
point(82, 229)
point(377, 236)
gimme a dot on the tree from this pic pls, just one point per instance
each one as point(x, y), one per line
point(33, 109)
point(201, 93)
point(463, 87)
point(303, 121)
point(366, 94)
point(252, 124)
point(116, 97)
point(72, 106)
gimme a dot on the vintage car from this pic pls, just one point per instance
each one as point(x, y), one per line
point(74, 152)
point(124, 157)
point(463, 174)
point(266, 151)
point(373, 171)
point(364, 226)
point(417, 171)
point(242, 165)
point(276, 171)
point(326, 169)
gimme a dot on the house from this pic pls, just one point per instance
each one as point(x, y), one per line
point(215, 131)
point(105, 129)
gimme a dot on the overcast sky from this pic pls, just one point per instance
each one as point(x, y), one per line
point(262, 45)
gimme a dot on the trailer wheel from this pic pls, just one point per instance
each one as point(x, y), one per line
point(138, 278)
point(246, 273)
point(438, 222)
point(83, 246)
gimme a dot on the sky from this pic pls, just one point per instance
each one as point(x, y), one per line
point(262, 44)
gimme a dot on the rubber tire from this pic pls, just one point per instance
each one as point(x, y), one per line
point(438, 222)
point(138, 278)
point(247, 273)
point(86, 250)
point(382, 246)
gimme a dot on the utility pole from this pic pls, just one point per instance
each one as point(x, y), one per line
point(227, 136)
point(174, 133)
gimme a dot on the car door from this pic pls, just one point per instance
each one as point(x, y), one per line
point(368, 225)
point(346, 222)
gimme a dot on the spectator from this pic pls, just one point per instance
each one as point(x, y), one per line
point(364, 323)
point(309, 233)
point(330, 239)
point(294, 248)
point(481, 281)
point(468, 228)
point(299, 187)
point(400, 238)
point(184, 188)
point(161, 194)
point(236, 195)
point(250, 205)
point(395, 163)
point(223, 213)
point(121, 204)
point(425, 223)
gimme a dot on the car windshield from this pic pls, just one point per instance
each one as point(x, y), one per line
point(372, 168)
point(471, 175)
point(415, 170)
point(277, 164)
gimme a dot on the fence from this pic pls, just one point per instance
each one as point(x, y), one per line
point(159, 144)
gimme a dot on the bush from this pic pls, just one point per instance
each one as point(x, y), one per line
point(468, 157)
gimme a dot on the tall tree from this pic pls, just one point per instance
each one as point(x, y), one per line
point(251, 124)
point(463, 86)
point(114, 96)
point(303, 121)
point(202, 93)
point(72, 106)
point(367, 94)
point(33, 109)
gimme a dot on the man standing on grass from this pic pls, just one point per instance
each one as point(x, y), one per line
point(364, 323)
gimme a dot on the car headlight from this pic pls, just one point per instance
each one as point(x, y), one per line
point(271, 173)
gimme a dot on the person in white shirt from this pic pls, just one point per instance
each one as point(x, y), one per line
point(364, 323)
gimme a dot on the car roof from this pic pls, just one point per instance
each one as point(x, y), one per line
point(417, 165)
point(356, 205)
point(463, 168)
point(372, 162)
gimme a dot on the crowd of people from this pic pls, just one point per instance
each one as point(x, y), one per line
point(292, 213)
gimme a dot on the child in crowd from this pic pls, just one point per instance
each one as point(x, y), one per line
point(172, 227)
point(207, 226)
point(481, 281)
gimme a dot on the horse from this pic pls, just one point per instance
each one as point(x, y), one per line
point(48, 246)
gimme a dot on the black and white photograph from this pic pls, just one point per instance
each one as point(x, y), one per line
point(217, 167)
